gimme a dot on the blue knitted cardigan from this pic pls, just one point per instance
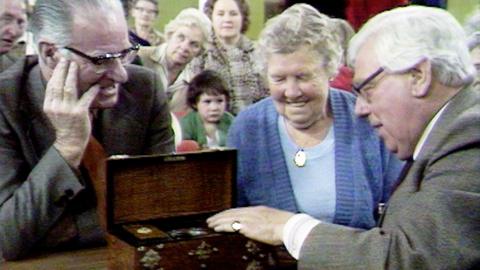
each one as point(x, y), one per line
point(364, 169)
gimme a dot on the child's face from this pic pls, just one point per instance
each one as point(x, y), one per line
point(211, 107)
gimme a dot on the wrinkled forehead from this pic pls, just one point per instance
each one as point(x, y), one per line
point(100, 29)
point(366, 60)
point(107, 14)
point(193, 32)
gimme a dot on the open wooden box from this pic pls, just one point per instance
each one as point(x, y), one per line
point(157, 208)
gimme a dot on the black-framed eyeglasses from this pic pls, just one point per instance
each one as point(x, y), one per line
point(126, 56)
point(356, 89)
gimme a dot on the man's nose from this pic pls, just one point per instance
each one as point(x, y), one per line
point(362, 108)
point(117, 72)
point(14, 29)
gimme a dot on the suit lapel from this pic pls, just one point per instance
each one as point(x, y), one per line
point(40, 133)
point(23, 101)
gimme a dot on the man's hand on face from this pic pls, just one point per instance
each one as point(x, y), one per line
point(68, 113)
point(259, 223)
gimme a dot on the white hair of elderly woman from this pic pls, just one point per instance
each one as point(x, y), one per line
point(301, 25)
point(189, 17)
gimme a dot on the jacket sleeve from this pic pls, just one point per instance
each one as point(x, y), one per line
point(432, 221)
point(234, 140)
point(188, 127)
point(31, 199)
point(160, 133)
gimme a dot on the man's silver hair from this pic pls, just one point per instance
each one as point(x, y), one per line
point(408, 35)
point(472, 28)
point(52, 20)
point(190, 17)
point(298, 26)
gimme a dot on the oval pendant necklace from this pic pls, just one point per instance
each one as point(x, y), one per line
point(300, 158)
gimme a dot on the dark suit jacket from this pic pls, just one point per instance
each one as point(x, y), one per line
point(6, 60)
point(37, 186)
point(433, 218)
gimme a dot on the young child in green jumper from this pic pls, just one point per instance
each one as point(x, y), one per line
point(208, 122)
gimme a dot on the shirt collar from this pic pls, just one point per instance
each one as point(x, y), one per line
point(427, 131)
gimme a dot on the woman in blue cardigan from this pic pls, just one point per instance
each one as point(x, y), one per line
point(303, 149)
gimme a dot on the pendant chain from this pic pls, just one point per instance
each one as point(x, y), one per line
point(300, 158)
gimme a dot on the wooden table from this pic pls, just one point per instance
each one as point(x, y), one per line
point(95, 259)
point(91, 259)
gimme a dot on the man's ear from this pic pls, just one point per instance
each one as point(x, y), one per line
point(421, 76)
point(49, 54)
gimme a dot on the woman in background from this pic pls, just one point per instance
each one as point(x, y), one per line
point(343, 79)
point(144, 13)
point(187, 36)
point(231, 53)
point(472, 29)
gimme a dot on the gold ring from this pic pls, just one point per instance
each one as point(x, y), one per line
point(236, 226)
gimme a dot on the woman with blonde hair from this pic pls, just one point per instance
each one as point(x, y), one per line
point(186, 37)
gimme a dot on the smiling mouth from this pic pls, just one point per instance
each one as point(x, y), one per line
point(7, 41)
point(108, 91)
point(296, 103)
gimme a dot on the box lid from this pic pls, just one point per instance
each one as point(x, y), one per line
point(141, 188)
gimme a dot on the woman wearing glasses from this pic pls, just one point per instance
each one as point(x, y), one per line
point(303, 149)
point(186, 37)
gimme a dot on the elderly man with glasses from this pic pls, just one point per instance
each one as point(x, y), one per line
point(413, 77)
point(80, 88)
point(13, 19)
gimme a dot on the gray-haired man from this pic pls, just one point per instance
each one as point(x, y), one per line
point(13, 19)
point(80, 84)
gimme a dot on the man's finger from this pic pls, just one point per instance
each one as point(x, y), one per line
point(87, 98)
point(70, 92)
point(57, 81)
